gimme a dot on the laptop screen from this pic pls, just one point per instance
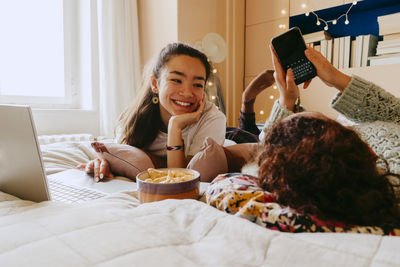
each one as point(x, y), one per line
point(21, 167)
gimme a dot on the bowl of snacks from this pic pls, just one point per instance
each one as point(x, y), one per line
point(159, 184)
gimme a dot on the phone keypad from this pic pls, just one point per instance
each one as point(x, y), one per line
point(302, 69)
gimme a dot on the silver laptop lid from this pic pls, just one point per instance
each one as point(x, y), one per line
point(21, 167)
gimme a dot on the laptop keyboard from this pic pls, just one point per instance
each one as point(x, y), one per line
point(70, 194)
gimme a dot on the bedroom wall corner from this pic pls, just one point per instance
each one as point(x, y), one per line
point(158, 22)
point(196, 18)
point(264, 20)
point(161, 22)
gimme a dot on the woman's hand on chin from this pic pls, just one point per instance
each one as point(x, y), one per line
point(182, 120)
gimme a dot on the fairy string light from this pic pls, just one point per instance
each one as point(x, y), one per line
point(333, 21)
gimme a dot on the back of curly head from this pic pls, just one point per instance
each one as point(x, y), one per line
point(319, 167)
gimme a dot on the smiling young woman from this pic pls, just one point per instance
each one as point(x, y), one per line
point(172, 118)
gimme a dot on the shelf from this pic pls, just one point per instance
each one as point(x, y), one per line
point(362, 17)
point(318, 96)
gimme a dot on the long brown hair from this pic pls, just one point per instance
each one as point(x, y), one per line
point(141, 122)
point(319, 167)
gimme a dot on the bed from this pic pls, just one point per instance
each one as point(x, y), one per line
point(119, 231)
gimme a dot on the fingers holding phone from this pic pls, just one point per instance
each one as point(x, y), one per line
point(326, 71)
point(289, 91)
point(279, 73)
point(289, 49)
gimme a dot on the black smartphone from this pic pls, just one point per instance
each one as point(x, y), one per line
point(289, 47)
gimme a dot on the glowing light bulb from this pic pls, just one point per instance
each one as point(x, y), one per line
point(213, 97)
point(318, 22)
point(307, 14)
point(346, 21)
point(275, 87)
point(283, 12)
point(262, 112)
point(209, 83)
point(334, 22)
point(326, 28)
point(214, 70)
point(282, 26)
point(354, 2)
point(303, 5)
point(271, 97)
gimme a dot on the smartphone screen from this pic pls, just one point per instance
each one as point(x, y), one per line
point(289, 48)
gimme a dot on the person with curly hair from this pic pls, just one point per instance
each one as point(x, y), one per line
point(318, 166)
point(314, 174)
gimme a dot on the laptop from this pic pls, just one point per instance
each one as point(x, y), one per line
point(22, 171)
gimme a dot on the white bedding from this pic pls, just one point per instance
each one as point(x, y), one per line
point(61, 156)
point(118, 231)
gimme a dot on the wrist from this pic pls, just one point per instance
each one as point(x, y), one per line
point(173, 148)
point(287, 103)
point(173, 125)
point(247, 107)
point(341, 81)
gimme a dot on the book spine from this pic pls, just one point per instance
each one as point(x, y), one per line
point(329, 50)
point(347, 48)
point(341, 52)
point(358, 52)
point(336, 52)
point(352, 53)
point(383, 45)
point(387, 50)
point(384, 61)
point(324, 45)
point(369, 48)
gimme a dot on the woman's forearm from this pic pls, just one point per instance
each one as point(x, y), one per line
point(341, 81)
point(175, 147)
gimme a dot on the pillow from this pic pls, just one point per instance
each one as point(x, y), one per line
point(239, 194)
point(239, 154)
point(209, 161)
point(124, 160)
point(214, 159)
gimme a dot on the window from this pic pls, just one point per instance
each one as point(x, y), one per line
point(39, 52)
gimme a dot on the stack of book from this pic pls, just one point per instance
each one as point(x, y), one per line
point(364, 48)
point(321, 41)
point(344, 52)
point(388, 50)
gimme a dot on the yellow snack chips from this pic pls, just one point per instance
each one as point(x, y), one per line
point(170, 176)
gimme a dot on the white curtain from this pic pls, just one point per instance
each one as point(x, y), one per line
point(119, 62)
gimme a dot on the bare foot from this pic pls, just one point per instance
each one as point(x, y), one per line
point(263, 80)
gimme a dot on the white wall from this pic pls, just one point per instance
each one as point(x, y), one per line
point(262, 24)
point(66, 121)
point(164, 21)
point(158, 26)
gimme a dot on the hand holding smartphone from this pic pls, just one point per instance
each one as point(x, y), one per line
point(289, 47)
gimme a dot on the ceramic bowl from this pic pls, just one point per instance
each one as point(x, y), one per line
point(149, 192)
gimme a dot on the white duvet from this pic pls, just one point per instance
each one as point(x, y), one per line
point(61, 156)
point(119, 231)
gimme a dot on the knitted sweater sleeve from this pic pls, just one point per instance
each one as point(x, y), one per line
point(363, 101)
point(278, 112)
